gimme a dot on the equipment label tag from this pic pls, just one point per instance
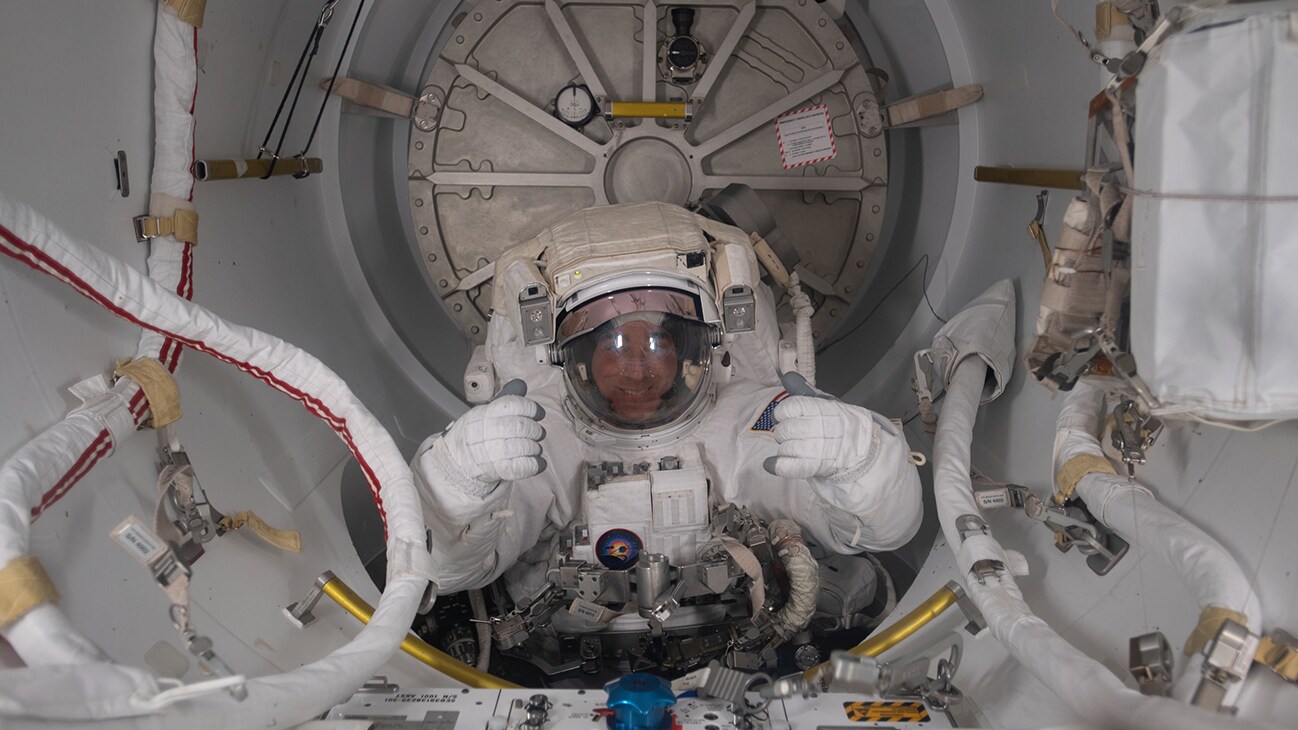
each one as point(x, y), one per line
point(138, 540)
point(805, 137)
point(885, 711)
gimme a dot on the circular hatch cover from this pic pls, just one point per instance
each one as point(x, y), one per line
point(498, 166)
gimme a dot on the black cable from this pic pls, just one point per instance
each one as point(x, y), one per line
point(309, 52)
point(284, 99)
point(923, 261)
point(346, 44)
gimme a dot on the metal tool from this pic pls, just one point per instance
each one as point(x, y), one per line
point(1134, 431)
point(1036, 228)
point(1072, 524)
point(1078, 361)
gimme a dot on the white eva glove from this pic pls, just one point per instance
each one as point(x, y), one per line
point(820, 436)
point(494, 441)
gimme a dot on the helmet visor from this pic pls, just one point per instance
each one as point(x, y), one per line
point(638, 370)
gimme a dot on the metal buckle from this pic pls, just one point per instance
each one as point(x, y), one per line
point(138, 222)
point(1150, 659)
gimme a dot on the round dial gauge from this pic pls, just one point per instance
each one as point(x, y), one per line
point(683, 52)
point(575, 105)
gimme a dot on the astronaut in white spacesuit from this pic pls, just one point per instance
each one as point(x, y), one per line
point(647, 407)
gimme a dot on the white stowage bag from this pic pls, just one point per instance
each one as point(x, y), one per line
point(1215, 229)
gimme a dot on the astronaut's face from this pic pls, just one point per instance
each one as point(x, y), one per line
point(634, 366)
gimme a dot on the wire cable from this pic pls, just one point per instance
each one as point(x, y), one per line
point(923, 261)
point(329, 91)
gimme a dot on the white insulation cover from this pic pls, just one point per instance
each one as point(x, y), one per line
point(1215, 230)
point(41, 696)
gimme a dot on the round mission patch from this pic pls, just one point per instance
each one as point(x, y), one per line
point(618, 549)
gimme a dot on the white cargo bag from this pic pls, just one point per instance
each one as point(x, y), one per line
point(1214, 303)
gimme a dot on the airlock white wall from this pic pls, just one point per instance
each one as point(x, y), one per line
point(78, 87)
point(279, 255)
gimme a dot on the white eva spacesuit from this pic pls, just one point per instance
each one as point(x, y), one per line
point(650, 402)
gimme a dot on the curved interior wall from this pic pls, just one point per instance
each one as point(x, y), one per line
point(282, 255)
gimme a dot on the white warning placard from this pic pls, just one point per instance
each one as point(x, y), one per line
point(805, 136)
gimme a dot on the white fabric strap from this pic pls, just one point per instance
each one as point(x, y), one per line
point(111, 409)
point(406, 557)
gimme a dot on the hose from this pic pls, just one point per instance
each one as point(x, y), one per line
point(288, 698)
point(900, 630)
point(1089, 689)
point(802, 312)
point(479, 605)
point(344, 596)
point(804, 578)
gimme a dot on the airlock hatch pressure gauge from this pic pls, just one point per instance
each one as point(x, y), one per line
point(575, 106)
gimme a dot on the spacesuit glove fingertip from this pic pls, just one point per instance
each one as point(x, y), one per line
point(541, 465)
point(769, 465)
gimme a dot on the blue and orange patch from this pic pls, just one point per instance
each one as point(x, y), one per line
point(618, 549)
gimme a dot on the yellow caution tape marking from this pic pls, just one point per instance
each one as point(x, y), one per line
point(885, 711)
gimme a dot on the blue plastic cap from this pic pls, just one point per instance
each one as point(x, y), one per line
point(640, 702)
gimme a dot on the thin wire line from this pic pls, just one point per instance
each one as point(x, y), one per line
point(1266, 546)
point(1223, 197)
point(923, 261)
point(330, 90)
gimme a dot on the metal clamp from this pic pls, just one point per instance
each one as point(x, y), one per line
point(1037, 230)
point(300, 612)
point(1074, 526)
point(514, 627)
point(1134, 431)
point(199, 520)
point(927, 371)
point(1125, 365)
point(1150, 660)
point(905, 676)
point(1085, 346)
point(869, 116)
point(1225, 661)
point(426, 112)
point(975, 622)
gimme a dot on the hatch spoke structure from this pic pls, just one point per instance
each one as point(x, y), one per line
point(765, 94)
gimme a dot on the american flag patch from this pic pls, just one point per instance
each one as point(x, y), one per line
point(766, 421)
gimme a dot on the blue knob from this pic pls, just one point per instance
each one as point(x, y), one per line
point(640, 702)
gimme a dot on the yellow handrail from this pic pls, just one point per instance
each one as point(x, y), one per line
point(875, 645)
point(649, 110)
point(344, 596)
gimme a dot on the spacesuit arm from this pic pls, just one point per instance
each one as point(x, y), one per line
point(473, 539)
point(466, 477)
point(865, 494)
point(878, 506)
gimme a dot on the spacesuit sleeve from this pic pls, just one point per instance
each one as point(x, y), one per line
point(474, 539)
point(879, 508)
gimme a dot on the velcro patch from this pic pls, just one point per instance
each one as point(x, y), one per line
point(766, 421)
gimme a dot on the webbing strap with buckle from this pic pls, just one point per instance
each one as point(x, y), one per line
point(189, 11)
point(183, 226)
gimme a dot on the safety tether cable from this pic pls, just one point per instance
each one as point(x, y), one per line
point(296, 82)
